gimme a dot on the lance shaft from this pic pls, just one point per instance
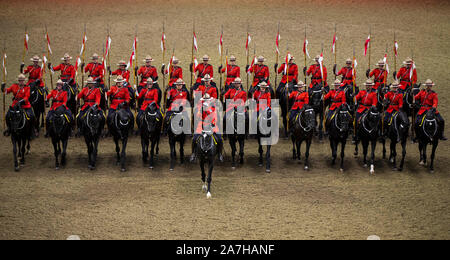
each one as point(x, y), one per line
point(221, 63)
point(277, 54)
point(108, 62)
point(304, 54)
point(247, 52)
point(4, 82)
point(48, 55)
point(24, 48)
point(335, 49)
point(83, 56)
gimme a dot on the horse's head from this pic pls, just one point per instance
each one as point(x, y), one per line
point(123, 120)
point(93, 119)
point(430, 125)
point(402, 123)
point(152, 117)
point(206, 141)
point(308, 118)
point(60, 120)
point(372, 119)
point(315, 97)
point(17, 118)
point(266, 116)
point(343, 118)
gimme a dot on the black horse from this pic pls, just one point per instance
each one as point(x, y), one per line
point(176, 137)
point(232, 119)
point(150, 124)
point(368, 132)
point(120, 123)
point(338, 129)
point(283, 96)
point(301, 128)
point(21, 129)
point(316, 95)
point(396, 129)
point(206, 151)
point(59, 129)
point(264, 126)
point(37, 101)
point(428, 132)
point(92, 124)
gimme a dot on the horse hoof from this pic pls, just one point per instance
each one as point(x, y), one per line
point(267, 170)
point(150, 167)
point(306, 168)
point(365, 165)
point(421, 163)
point(391, 160)
point(123, 170)
point(204, 188)
point(394, 169)
point(171, 169)
point(233, 168)
point(431, 171)
point(16, 169)
point(341, 170)
point(208, 195)
point(372, 169)
point(57, 168)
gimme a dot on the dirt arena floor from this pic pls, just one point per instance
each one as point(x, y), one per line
point(289, 203)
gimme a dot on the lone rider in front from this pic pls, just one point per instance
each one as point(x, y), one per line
point(208, 120)
point(21, 94)
point(429, 101)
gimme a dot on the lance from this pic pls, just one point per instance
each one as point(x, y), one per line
point(163, 59)
point(24, 47)
point(83, 55)
point(226, 73)
point(4, 82)
point(370, 43)
point(247, 57)
point(192, 56)
point(382, 97)
point(277, 54)
point(254, 54)
point(335, 50)
point(304, 54)
point(170, 71)
point(48, 56)
point(395, 55)
point(413, 117)
point(287, 77)
point(354, 95)
point(135, 59)
point(323, 87)
point(221, 63)
point(108, 61)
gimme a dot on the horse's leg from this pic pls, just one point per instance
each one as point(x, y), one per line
point(365, 145)
point(308, 145)
point(421, 153)
point(144, 145)
point(321, 125)
point(172, 154)
point(372, 157)
point(89, 147)
point(424, 151)
point(232, 141)
point(202, 168)
point(22, 151)
point(241, 149)
point(260, 151)
point(343, 143)
point(299, 150)
point(28, 145)
point(294, 152)
point(152, 153)
point(433, 152)
point(209, 180)
point(123, 156)
point(182, 151)
point(383, 142)
point(116, 142)
point(393, 156)
point(285, 124)
point(268, 159)
point(333, 146)
point(64, 151)
point(16, 163)
point(56, 152)
point(157, 141)
point(403, 154)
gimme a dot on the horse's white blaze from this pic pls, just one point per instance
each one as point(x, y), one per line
point(208, 195)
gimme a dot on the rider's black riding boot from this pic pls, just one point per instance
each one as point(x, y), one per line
point(7, 132)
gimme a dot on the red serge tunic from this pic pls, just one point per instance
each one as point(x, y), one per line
point(90, 96)
point(396, 101)
point(59, 98)
point(20, 94)
point(366, 100)
point(292, 71)
point(148, 96)
point(300, 98)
